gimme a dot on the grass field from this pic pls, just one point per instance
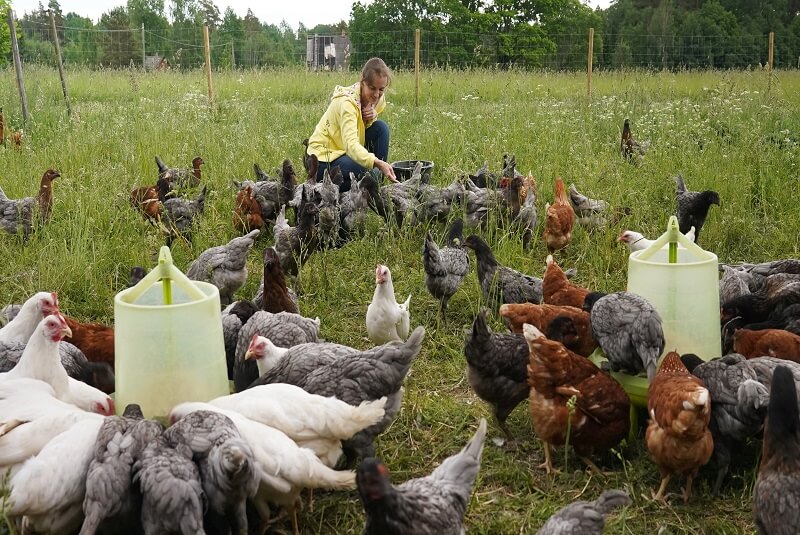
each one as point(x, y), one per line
point(721, 130)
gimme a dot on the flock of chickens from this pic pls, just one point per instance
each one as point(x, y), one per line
point(305, 411)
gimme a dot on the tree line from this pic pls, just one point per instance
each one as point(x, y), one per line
point(661, 34)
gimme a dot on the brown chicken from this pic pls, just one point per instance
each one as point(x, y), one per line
point(247, 213)
point(767, 343)
point(557, 288)
point(276, 297)
point(560, 217)
point(601, 415)
point(678, 437)
point(147, 199)
point(540, 316)
point(94, 339)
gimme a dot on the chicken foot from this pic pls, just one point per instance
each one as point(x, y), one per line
point(687, 490)
point(593, 467)
point(659, 496)
point(548, 459)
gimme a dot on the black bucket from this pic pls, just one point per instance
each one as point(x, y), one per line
point(404, 168)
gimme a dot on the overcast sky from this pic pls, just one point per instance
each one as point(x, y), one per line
point(309, 12)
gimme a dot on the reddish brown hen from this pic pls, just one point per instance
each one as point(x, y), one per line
point(560, 217)
point(247, 214)
point(557, 288)
point(601, 417)
point(767, 343)
point(94, 339)
point(678, 437)
point(276, 297)
point(540, 316)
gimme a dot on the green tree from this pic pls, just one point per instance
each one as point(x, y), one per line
point(80, 45)
point(118, 43)
point(5, 34)
point(150, 14)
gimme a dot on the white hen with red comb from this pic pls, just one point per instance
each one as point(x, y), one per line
point(387, 320)
point(36, 308)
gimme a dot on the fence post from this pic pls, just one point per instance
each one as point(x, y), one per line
point(770, 57)
point(144, 54)
point(233, 57)
point(18, 65)
point(57, 47)
point(208, 62)
point(589, 64)
point(416, 67)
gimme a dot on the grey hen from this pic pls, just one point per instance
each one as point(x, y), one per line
point(483, 178)
point(295, 244)
point(233, 317)
point(224, 266)
point(732, 284)
point(283, 329)
point(265, 193)
point(353, 206)
point(584, 517)
point(182, 177)
point(628, 330)
point(765, 269)
point(354, 378)
point(329, 212)
point(21, 215)
point(501, 284)
point(301, 360)
point(527, 218)
point(430, 505)
point(693, 207)
point(738, 404)
point(445, 268)
point(497, 368)
point(227, 466)
point(112, 503)
point(178, 215)
point(435, 204)
point(402, 196)
point(588, 212)
point(173, 501)
point(97, 374)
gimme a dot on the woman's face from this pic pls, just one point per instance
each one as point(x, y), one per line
point(372, 90)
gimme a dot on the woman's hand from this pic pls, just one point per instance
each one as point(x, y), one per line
point(386, 169)
point(368, 113)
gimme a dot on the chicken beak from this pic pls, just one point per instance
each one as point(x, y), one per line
point(249, 355)
point(66, 331)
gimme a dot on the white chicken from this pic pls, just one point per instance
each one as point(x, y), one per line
point(387, 320)
point(49, 488)
point(41, 360)
point(265, 353)
point(36, 308)
point(286, 468)
point(637, 242)
point(302, 416)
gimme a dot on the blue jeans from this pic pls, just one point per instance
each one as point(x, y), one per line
point(376, 140)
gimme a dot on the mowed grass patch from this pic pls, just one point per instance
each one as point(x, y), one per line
point(720, 130)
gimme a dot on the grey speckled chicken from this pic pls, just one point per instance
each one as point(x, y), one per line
point(732, 284)
point(776, 494)
point(353, 213)
point(445, 268)
point(497, 368)
point(297, 362)
point(20, 215)
point(329, 213)
point(224, 266)
point(765, 269)
point(430, 505)
point(283, 329)
point(588, 212)
point(501, 284)
point(178, 215)
point(584, 517)
point(96, 374)
point(738, 404)
point(295, 244)
point(435, 204)
point(628, 330)
point(112, 504)
point(527, 218)
point(693, 207)
point(173, 501)
point(227, 467)
point(354, 378)
point(233, 317)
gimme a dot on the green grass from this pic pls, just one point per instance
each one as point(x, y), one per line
point(721, 130)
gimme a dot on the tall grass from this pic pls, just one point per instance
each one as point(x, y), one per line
point(721, 130)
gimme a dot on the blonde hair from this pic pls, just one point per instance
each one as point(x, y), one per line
point(373, 68)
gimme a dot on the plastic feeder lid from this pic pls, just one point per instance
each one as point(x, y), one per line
point(673, 236)
point(166, 272)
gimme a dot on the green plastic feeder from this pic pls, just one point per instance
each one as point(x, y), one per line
point(682, 284)
point(168, 344)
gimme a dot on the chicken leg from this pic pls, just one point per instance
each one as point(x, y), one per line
point(548, 460)
point(659, 496)
point(687, 491)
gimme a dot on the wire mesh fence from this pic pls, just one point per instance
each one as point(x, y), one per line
point(183, 48)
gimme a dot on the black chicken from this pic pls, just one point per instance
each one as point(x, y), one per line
point(431, 505)
point(693, 207)
point(497, 368)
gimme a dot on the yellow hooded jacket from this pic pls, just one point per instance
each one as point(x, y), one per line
point(341, 129)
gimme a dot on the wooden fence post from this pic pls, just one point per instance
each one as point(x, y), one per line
point(416, 67)
point(770, 57)
point(233, 57)
point(208, 62)
point(18, 65)
point(144, 54)
point(589, 64)
point(57, 47)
